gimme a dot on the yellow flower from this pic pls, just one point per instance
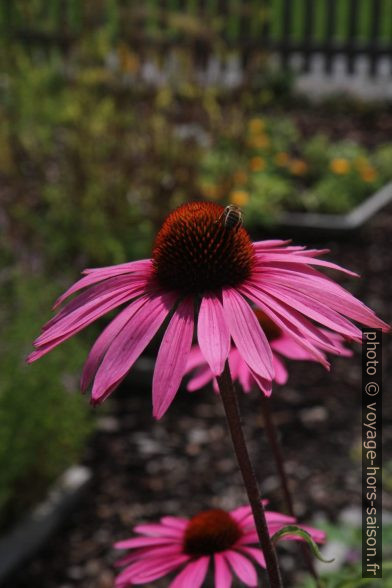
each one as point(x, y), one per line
point(340, 166)
point(239, 197)
point(282, 158)
point(129, 61)
point(298, 167)
point(259, 141)
point(257, 163)
point(256, 125)
point(240, 177)
point(368, 174)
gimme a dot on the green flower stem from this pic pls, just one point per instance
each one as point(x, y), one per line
point(230, 404)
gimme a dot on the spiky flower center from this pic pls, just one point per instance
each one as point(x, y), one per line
point(210, 532)
point(196, 251)
point(271, 330)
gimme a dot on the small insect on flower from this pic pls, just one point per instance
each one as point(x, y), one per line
point(232, 217)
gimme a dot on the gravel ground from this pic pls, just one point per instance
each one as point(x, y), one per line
point(143, 469)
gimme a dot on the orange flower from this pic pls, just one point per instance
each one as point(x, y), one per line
point(257, 163)
point(340, 166)
point(240, 177)
point(368, 174)
point(239, 197)
point(256, 125)
point(282, 158)
point(298, 167)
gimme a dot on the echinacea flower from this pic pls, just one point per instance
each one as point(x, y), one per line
point(281, 345)
point(226, 541)
point(203, 272)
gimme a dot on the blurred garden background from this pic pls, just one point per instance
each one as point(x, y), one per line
point(113, 112)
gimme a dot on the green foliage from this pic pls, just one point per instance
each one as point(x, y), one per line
point(269, 167)
point(350, 574)
point(43, 420)
point(90, 167)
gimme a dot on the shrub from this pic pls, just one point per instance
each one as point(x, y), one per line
point(43, 420)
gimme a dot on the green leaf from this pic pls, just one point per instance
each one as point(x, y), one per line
point(294, 530)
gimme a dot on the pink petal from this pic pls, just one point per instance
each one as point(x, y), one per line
point(193, 575)
point(130, 266)
point(281, 374)
point(223, 575)
point(295, 319)
point(200, 379)
point(256, 554)
point(87, 307)
point(158, 530)
point(213, 334)
point(176, 522)
point(264, 385)
point(247, 333)
point(289, 348)
point(315, 284)
point(144, 571)
point(243, 568)
point(136, 542)
point(195, 358)
point(287, 327)
point(268, 243)
point(273, 258)
point(245, 377)
point(131, 341)
point(103, 342)
point(101, 274)
point(316, 310)
point(172, 358)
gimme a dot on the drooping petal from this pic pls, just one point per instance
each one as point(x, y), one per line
point(101, 274)
point(223, 576)
point(131, 341)
point(255, 553)
point(145, 571)
point(103, 342)
point(316, 310)
point(200, 379)
point(176, 522)
point(136, 542)
point(294, 318)
point(321, 287)
point(281, 373)
point(172, 358)
point(129, 266)
point(158, 530)
point(213, 334)
point(242, 567)
point(247, 333)
point(264, 384)
point(254, 295)
point(192, 575)
point(273, 258)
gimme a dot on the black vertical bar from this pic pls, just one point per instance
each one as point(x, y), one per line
point(374, 35)
point(352, 26)
point(286, 37)
point(330, 22)
point(308, 32)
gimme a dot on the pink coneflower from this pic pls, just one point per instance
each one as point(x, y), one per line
point(203, 271)
point(226, 540)
point(282, 345)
